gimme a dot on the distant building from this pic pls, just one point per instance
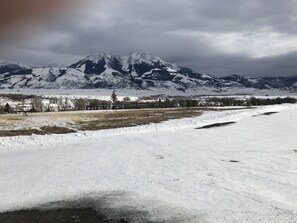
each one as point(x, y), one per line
point(26, 107)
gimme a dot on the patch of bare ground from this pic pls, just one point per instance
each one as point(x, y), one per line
point(130, 118)
point(42, 131)
point(9, 120)
point(20, 132)
point(56, 130)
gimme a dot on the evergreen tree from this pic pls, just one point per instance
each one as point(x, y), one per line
point(7, 109)
point(114, 99)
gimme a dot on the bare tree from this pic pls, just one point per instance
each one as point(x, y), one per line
point(80, 104)
point(37, 103)
point(95, 104)
point(126, 99)
point(63, 103)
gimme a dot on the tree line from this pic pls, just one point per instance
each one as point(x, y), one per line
point(64, 103)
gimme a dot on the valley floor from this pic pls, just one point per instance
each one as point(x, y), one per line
point(73, 121)
point(104, 94)
point(165, 172)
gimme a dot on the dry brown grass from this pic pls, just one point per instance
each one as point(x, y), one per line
point(4, 119)
point(56, 130)
point(42, 131)
point(129, 118)
point(20, 132)
point(68, 122)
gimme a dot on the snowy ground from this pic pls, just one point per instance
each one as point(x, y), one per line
point(245, 172)
point(104, 94)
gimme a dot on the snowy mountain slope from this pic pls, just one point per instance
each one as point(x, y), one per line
point(135, 71)
point(14, 68)
point(261, 83)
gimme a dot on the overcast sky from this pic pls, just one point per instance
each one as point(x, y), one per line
point(219, 37)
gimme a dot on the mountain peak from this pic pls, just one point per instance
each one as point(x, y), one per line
point(135, 57)
point(55, 65)
point(13, 63)
point(98, 56)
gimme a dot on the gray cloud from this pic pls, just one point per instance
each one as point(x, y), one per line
point(223, 37)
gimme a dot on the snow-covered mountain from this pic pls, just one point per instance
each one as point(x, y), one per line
point(13, 67)
point(133, 71)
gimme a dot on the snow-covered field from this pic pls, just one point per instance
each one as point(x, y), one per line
point(245, 172)
point(104, 94)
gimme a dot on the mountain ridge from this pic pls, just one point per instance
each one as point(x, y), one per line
point(138, 71)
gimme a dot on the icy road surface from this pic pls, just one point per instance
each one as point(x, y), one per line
point(244, 172)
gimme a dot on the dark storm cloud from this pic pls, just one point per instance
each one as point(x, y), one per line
point(254, 37)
